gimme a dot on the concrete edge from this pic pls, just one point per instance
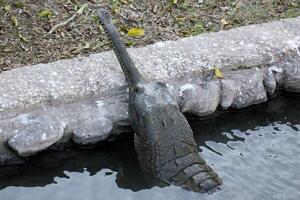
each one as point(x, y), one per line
point(90, 117)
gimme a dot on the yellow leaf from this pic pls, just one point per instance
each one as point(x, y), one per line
point(7, 8)
point(15, 20)
point(135, 32)
point(116, 10)
point(218, 73)
point(175, 1)
point(224, 22)
point(180, 19)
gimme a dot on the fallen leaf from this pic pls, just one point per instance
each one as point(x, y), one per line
point(24, 47)
point(116, 10)
point(224, 22)
point(87, 45)
point(7, 8)
point(218, 73)
point(22, 38)
point(180, 19)
point(154, 9)
point(124, 1)
point(15, 20)
point(135, 32)
point(7, 50)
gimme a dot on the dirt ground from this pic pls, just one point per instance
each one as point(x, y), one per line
point(25, 24)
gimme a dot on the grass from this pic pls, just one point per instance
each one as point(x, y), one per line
point(24, 24)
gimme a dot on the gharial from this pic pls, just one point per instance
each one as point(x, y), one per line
point(163, 139)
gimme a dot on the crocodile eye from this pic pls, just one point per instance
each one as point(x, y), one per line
point(161, 84)
point(138, 88)
point(104, 13)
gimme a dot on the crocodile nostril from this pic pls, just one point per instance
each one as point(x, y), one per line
point(209, 185)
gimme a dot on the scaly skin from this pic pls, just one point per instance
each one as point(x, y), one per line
point(164, 140)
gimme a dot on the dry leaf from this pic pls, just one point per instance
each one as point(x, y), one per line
point(218, 73)
point(24, 47)
point(180, 19)
point(87, 45)
point(124, 1)
point(175, 1)
point(15, 21)
point(22, 38)
point(135, 32)
point(7, 50)
point(7, 8)
point(224, 22)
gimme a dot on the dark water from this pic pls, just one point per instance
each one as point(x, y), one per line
point(255, 152)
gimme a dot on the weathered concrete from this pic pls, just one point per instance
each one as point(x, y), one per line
point(86, 98)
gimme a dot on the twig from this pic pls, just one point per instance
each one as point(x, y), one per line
point(68, 20)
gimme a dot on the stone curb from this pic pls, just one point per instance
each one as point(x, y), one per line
point(86, 99)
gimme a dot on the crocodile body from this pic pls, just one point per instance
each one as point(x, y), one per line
point(164, 140)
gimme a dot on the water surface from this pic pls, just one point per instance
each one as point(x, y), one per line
point(255, 152)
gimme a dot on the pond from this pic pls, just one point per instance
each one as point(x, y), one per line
point(255, 152)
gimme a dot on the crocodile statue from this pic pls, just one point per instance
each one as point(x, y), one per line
point(163, 139)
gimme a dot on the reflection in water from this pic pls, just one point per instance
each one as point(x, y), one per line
point(256, 153)
point(223, 128)
point(43, 168)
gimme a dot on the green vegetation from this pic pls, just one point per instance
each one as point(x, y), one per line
point(46, 13)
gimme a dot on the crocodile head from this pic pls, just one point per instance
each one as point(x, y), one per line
point(164, 140)
point(104, 16)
